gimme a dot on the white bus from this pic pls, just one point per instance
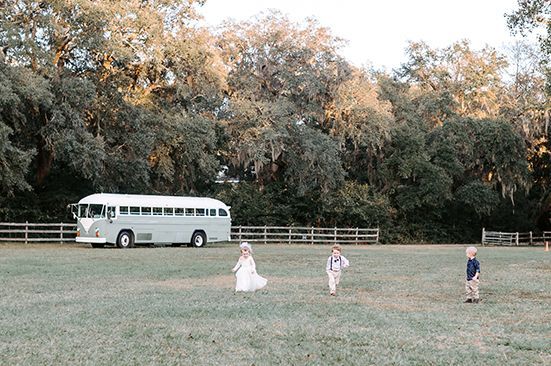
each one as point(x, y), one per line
point(125, 220)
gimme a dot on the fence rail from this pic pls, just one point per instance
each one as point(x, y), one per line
point(304, 235)
point(64, 232)
point(515, 238)
point(32, 232)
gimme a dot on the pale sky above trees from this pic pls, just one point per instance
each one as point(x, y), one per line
point(378, 31)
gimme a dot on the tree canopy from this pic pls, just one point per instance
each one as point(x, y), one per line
point(137, 97)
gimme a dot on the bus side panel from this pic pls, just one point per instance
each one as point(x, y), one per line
point(113, 230)
point(219, 229)
point(168, 230)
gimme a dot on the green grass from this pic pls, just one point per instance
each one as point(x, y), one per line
point(397, 305)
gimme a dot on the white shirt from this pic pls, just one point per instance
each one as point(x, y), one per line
point(336, 264)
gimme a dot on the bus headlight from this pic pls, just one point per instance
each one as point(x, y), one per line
point(97, 233)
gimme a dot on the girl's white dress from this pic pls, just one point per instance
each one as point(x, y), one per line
point(246, 277)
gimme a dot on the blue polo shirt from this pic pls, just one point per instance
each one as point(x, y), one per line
point(473, 266)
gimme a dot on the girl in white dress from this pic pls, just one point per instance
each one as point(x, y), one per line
point(245, 271)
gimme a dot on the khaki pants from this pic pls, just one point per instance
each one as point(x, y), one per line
point(334, 278)
point(471, 289)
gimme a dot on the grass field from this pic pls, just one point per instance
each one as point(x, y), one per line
point(397, 305)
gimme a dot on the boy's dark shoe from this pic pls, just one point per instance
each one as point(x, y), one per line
point(468, 300)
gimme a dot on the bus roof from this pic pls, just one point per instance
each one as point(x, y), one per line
point(113, 199)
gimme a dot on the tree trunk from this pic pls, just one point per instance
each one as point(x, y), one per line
point(44, 160)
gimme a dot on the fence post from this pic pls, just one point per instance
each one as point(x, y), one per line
point(377, 242)
point(530, 238)
point(290, 236)
point(265, 235)
point(61, 232)
point(26, 231)
point(312, 235)
point(517, 239)
point(483, 236)
point(240, 233)
point(335, 235)
point(357, 233)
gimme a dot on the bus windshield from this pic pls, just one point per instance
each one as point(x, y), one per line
point(93, 211)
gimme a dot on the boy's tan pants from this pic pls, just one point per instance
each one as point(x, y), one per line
point(334, 278)
point(471, 289)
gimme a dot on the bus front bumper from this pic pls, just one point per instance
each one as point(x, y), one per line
point(80, 239)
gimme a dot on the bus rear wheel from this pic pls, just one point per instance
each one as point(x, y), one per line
point(125, 240)
point(199, 239)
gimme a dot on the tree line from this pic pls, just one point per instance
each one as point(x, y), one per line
point(137, 97)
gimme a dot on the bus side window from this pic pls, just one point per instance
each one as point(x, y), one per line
point(179, 212)
point(200, 212)
point(111, 212)
point(123, 210)
point(168, 211)
point(212, 212)
point(190, 212)
point(146, 211)
point(134, 210)
point(157, 211)
point(222, 212)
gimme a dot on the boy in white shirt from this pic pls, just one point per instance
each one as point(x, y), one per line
point(335, 263)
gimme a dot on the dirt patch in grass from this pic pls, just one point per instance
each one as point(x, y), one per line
point(226, 281)
point(385, 303)
point(543, 268)
point(295, 280)
point(532, 295)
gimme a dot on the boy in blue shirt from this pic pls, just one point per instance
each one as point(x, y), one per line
point(473, 276)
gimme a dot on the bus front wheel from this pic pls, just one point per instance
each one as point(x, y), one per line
point(199, 239)
point(125, 240)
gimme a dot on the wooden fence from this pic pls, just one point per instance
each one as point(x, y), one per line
point(64, 232)
point(515, 238)
point(31, 232)
point(304, 235)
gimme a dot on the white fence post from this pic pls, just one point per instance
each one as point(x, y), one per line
point(483, 236)
point(26, 232)
point(517, 239)
point(290, 235)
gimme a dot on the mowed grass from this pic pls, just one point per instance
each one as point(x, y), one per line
point(396, 305)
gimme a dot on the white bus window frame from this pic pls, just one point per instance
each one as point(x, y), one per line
point(112, 212)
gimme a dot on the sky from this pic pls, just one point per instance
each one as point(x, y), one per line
point(378, 31)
